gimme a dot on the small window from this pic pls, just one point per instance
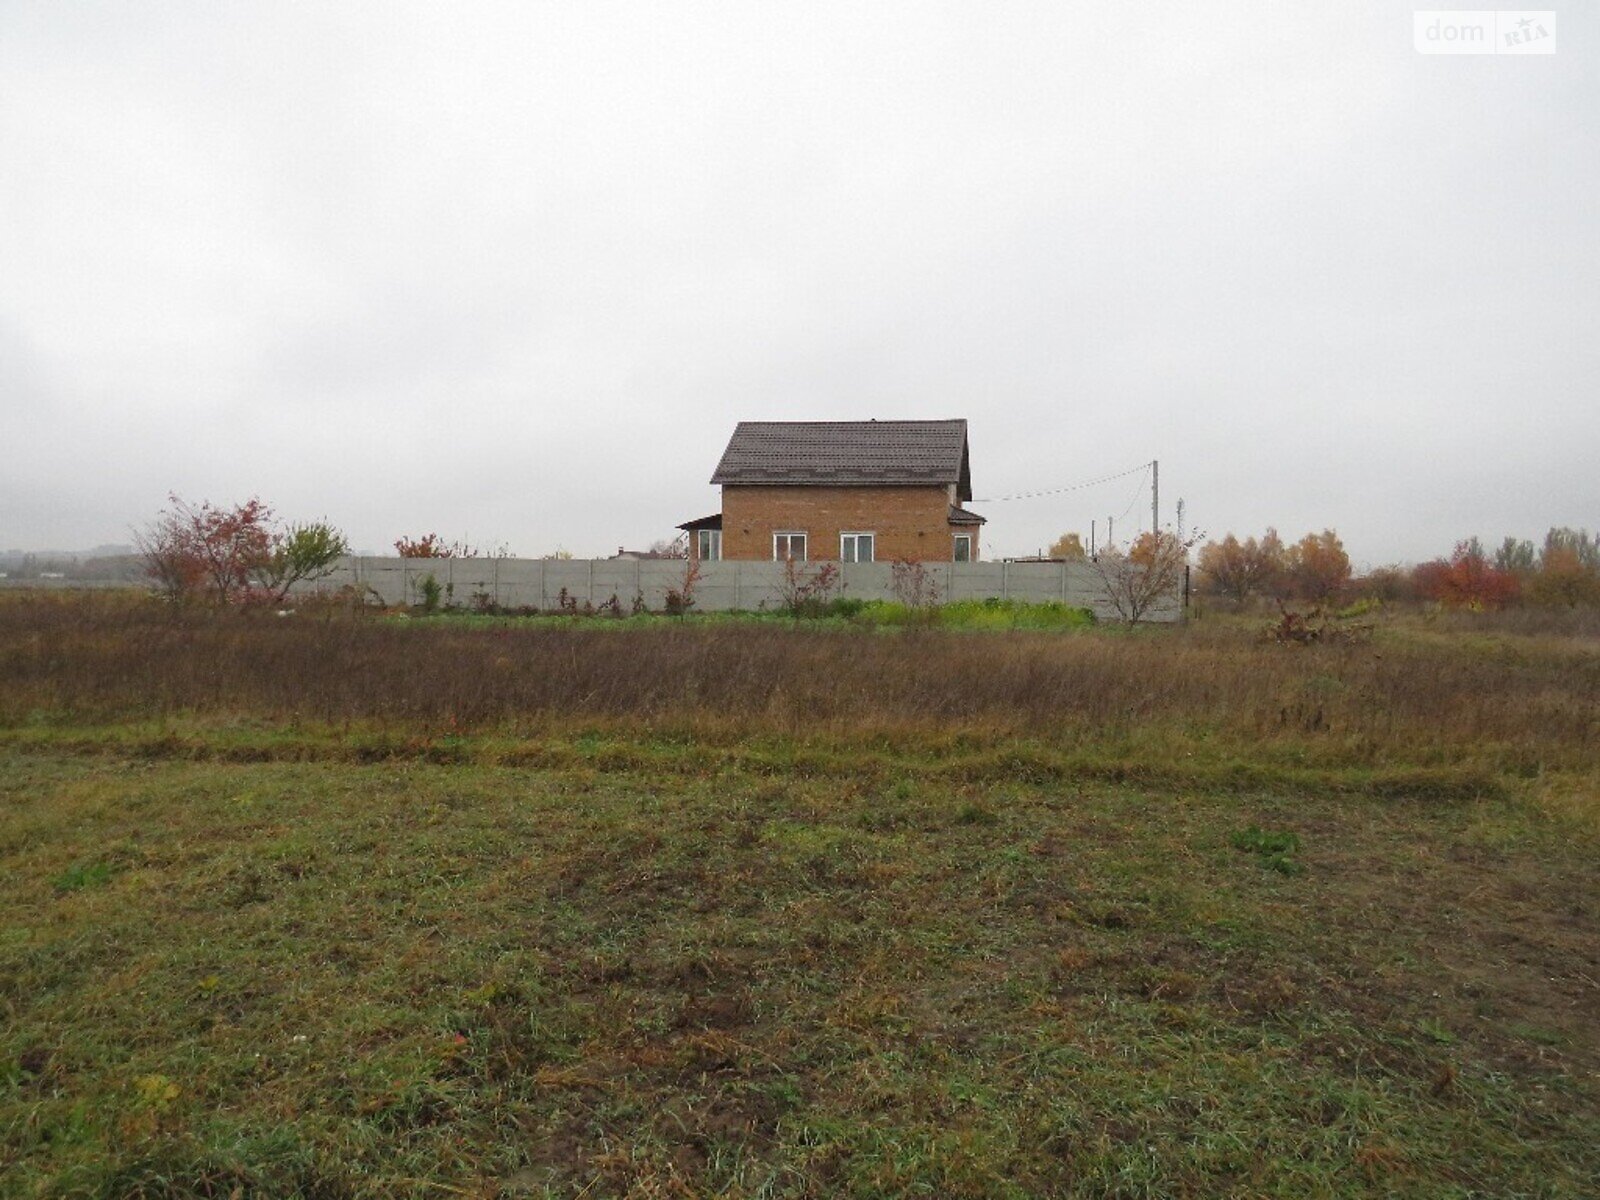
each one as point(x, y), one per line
point(789, 546)
point(855, 547)
point(710, 545)
point(963, 547)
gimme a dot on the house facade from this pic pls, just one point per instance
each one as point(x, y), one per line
point(846, 491)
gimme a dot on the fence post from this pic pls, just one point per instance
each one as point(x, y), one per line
point(738, 585)
point(1005, 580)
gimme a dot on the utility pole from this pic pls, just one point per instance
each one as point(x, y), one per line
point(1180, 518)
point(1091, 539)
point(1155, 495)
point(1110, 536)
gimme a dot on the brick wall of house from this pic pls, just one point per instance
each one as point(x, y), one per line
point(909, 522)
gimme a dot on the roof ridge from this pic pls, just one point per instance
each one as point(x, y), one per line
point(870, 421)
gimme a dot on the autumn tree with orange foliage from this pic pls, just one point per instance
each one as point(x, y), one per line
point(1316, 568)
point(1569, 569)
point(1242, 569)
point(1068, 546)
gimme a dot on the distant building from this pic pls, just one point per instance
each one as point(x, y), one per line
point(852, 491)
point(641, 554)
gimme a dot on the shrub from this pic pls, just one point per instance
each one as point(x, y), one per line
point(431, 592)
point(807, 591)
point(913, 585)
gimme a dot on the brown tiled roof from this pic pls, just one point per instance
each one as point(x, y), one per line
point(960, 516)
point(848, 454)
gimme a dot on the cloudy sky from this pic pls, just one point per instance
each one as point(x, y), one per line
point(512, 272)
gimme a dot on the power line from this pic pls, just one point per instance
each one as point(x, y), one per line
point(1071, 487)
point(1137, 492)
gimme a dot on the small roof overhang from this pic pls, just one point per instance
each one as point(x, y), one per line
point(714, 521)
point(960, 516)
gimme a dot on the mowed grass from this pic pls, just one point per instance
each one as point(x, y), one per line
point(569, 950)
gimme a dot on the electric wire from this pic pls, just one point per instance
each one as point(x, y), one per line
point(1071, 487)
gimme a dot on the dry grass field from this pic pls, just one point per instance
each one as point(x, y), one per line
point(335, 905)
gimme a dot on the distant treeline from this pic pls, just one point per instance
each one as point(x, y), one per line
point(1563, 571)
point(98, 568)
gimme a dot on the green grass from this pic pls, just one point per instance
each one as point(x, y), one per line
point(840, 613)
point(981, 614)
point(82, 875)
point(408, 978)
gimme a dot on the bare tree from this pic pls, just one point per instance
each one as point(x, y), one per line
point(1146, 575)
point(913, 585)
point(677, 547)
point(680, 599)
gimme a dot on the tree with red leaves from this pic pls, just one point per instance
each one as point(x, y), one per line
point(229, 555)
point(431, 545)
point(1468, 580)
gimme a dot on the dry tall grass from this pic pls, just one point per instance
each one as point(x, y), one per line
point(1418, 695)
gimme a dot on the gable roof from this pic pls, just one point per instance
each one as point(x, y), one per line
point(848, 454)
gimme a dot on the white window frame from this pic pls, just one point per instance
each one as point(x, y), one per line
point(857, 535)
point(708, 539)
point(805, 545)
point(961, 537)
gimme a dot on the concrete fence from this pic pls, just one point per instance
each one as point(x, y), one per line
point(722, 586)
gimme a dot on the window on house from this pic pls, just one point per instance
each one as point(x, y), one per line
point(963, 547)
point(855, 547)
point(710, 545)
point(789, 545)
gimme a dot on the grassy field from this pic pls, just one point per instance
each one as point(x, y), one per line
point(331, 906)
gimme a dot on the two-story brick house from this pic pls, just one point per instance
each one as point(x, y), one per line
point(852, 491)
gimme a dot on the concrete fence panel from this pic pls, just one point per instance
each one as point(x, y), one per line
point(721, 586)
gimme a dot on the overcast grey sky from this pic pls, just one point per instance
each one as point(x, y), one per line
point(512, 272)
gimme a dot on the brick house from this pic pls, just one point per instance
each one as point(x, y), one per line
point(852, 491)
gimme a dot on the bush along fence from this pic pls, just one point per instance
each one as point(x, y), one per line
point(656, 585)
